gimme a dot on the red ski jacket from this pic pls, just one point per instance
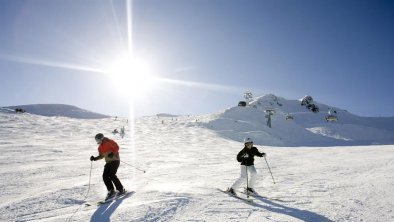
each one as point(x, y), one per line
point(108, 146)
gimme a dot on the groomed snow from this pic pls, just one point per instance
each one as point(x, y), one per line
point(45, 171)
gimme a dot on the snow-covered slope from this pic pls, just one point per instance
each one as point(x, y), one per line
point(45, 171)
point(55, 110)
point(305, 128)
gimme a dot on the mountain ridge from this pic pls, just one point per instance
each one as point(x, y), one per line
point(55, 110)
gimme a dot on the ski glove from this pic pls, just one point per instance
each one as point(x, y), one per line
point(110, 155)
point(263, 155)
point(92, 158)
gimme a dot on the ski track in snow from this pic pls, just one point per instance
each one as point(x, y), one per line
point(45, 171)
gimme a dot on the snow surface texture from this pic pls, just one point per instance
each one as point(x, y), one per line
point(45, 172)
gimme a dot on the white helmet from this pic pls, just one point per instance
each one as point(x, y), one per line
point(248, 140)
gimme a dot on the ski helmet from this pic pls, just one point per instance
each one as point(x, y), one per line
point(99, 137)
point(248, 140)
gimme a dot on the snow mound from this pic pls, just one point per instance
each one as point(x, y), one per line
point(55, 110)
point(166, 115)
point(294, 125)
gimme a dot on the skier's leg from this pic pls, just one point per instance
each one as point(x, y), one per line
point(113, 177)
point(253, 174)
point(241, 179)
point(106, 177)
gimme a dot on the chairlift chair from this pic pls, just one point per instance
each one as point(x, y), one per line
point(241, 103)
point(331, 118)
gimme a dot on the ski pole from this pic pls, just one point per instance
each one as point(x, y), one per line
point(90, 177)
point(87, 193)
point(247, 181)
point(133, 166)
point(269, 169)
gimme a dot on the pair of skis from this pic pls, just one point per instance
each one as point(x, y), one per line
point(254, 195)
point(101, 202)
point(246, 200)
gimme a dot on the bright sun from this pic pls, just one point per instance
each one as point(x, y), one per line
point(131, 75)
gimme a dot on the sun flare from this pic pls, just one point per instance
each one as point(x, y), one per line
point(131, 75)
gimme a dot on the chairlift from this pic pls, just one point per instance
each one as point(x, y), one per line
point(331, 118)
point(268, 113)
point(269, 110)
point(331, 111)
point(241, 103)
point(289, 117)
point(331, 115)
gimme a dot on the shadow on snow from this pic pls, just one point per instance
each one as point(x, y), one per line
point(104, 212)
point(303, 215)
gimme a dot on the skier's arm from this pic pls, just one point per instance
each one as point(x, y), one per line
point(240, 155)
point(262, 154)
point(99, 157)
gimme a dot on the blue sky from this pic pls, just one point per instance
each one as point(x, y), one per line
point(203, 53)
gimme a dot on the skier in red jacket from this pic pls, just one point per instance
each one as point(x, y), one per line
point(109, 150)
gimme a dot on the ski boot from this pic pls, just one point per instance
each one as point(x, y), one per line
point(121, 192)
point(231, 191)
point(110, 195)
point(250, 191)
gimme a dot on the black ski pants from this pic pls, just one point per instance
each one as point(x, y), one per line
point(109, 176)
